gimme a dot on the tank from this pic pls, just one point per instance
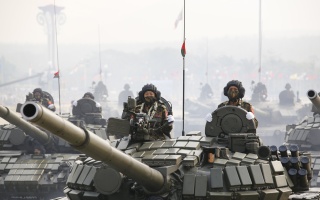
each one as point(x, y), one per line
point(305, 135)
point(23, 174)
point(275, 112)
point(27, 175)
point(228, 162)
point(273, 116)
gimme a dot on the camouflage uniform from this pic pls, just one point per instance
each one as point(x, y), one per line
point(157, 113)
point(245, 105)
point(46, 102)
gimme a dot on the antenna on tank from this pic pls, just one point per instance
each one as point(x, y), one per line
point(57, 74)
point(260, 40)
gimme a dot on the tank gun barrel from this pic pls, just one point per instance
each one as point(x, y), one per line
point(94, 146)
point(31, 130)
point(314, 98)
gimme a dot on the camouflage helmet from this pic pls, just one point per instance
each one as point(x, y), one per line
point(237, 84)
point(288, 86)
point(149, 87)
point(38, 90)
point(89, 94)
point(126, 86)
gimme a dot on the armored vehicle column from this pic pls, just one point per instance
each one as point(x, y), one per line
point(94, 146)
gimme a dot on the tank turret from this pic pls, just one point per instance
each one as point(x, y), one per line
point(306, 134)
point(229, 162)
point(315, 100)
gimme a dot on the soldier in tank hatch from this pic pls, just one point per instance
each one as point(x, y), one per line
point(157, 122)
point(123, 96)
point(235, 92)
point(39, 96)
point(286, 97)
point(87, 95)
point(101, 92)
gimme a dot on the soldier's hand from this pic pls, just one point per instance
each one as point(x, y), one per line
point(51, 107)
point(209, 117)
point(170, 118)
point(249, 115)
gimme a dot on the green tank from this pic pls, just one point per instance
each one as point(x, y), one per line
point(306, 133)
point(27, 175)
point(228, 162)
point(23, 174)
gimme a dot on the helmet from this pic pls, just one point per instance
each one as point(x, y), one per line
point(89, 94)
point(236, 83)
point(126, 86)
point(288, 86)
point(38, 90)
point(149, 87)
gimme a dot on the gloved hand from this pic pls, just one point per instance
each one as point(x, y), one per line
point(249, 115)
point(98, 105)
point(209, 117)
point(51, 106)
point(170, 118)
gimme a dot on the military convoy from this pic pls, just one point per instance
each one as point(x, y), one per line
point(228, 162)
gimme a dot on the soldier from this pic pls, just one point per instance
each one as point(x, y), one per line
point(235, 92)
point(38, 148)
point(286, 97)
point(160, 121)
point(123, 96)
point(87, 95)
point(101, 91)
point(259, 93)
point(206, 92)
point(38, 95)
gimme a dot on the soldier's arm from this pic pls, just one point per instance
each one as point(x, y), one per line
point(165, 127)
point(255, 119)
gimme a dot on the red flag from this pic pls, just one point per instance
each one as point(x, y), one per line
point(183, 49)
point(56, 75)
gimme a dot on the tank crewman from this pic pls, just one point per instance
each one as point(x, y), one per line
point(150, 104)
point(38, 95)
point(206, 92)
point(286, 97)
point(38, 148)
point(87, 95)
point(123, 96)
point(101, 91)
point(235, 92)
point(259, 93)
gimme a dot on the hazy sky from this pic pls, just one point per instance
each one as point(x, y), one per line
point(153, 20)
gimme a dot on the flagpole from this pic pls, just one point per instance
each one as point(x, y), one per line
point(55, 21)
point(184, 40)
point(260, 40)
